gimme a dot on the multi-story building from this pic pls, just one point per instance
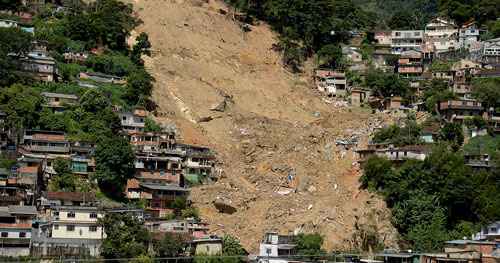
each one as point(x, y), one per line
point(458, 110)
point(333, 83)
point(410, 66)
point(159, 197)
point(74, 222)
point(469, 33)
point(491, 51)
point(404, 40)
point(443, 33)
point(383, 37)
point(40, 65)
point(53, 142)
point(197, 162)
point(132, 122)
point(15, 230)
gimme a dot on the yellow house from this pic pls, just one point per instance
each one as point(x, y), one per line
point(464, 64)
point(74, 222)
point(56, 99)
point(210, 246)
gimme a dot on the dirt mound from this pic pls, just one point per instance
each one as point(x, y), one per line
point(220, 83)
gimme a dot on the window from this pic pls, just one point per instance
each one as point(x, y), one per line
point(71, 214)
point(442, 43)
point(406, 153)
point(494, 230)
point(56, 227)
point(173, 173)
point(268, 250)
point(70, 101)
point(70, 228)
point(14, 175)
point(22, 234)
point(417, 34)
point(57, 99)
point(162, 173)
point(93, 215)
point(92, 228)
point(124, 118)
point(157, 205)
point(398, 34)
point(208, 248)
point(5, 234)
point(23, 219)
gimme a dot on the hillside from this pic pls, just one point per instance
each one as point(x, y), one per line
point(385, 8)
point(274, 123)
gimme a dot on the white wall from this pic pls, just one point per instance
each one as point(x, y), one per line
point(60, 230)
point(273, 250)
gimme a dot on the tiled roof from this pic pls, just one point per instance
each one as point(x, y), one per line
point(70, 196)
point(487, 71)
point(431, 129)
point(427, 75)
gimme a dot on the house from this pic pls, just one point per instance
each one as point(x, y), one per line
point(58, 98)
point(71, 230)
point(403, 40)
point(478, 162)
point(15, 230)
point(487, 73)
point(429, 134)
point(198, 163)
point(462, 90)
point(159, 197)
point(489, 232)
point(74, 222)
point(158, 170)
point(24, 16)
point(210, 246)
point(443, 33)
point(16, 186)
point(441, 27)
point(428, 51)
point(466, 251)
point(276, 248)
point(464, 64)
point(352, 54)
point(469, 33)
point(397, 258)
point(410, 66)
point(375, 148)
point(400, 155)
point(101, 77)
point(457, 110)
point(40, 65)
point(383, 37)
point(75, 55)
point(331, 82)
point(53, 142)
point(132, 122)
point(8, 23)
point(49, 200)
point(491, 53)
point(360, 95)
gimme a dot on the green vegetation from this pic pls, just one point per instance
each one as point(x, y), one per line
point(126, 237)
point(435, 91)
point(306, 26)
point(420, 11)
point(483, 144)
point(114, 160)
point(64, 180)
point(388, 85)
point(309, 245)
point(6, 163)
point(171, 245)
point(437, 199)
point(408, 135)
point(487, 92)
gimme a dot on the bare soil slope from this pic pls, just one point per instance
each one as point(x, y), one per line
point(273, 123)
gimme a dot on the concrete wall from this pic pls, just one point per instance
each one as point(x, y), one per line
point(80, 231)
point(14, 252)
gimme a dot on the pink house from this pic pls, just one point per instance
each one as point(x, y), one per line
point(383, 37)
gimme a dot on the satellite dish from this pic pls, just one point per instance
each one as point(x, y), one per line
point(465, 238)
point(332, 32)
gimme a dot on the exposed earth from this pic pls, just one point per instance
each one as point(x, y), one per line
point(226, 88)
